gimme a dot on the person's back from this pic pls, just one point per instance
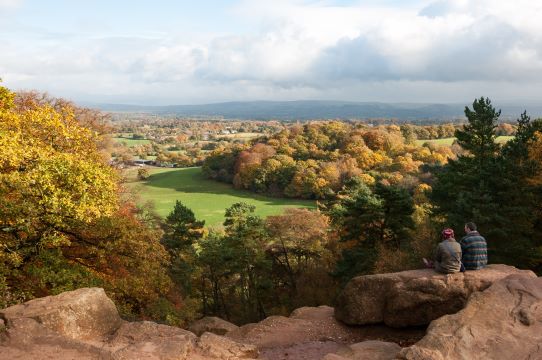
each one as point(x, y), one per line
point(448, 256)
point(474, 248)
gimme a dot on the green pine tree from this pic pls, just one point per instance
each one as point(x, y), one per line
point(368, 218)
point(181, 230)
point(488, 186)
point(478, 136)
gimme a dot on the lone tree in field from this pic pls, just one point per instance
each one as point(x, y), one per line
point(143, 174)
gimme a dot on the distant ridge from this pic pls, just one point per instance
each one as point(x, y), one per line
point(314, 109)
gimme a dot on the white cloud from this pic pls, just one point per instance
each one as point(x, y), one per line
point(10, 3)
point(304, 49)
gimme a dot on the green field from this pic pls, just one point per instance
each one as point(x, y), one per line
point(131, 142)
point(207, 198)
point(244, 136)
point(444, 142)
point(450, 141)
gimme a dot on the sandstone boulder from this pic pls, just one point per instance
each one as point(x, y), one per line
point(26, 339)
point(84, 324)
point(80, 314)
point(414, 297)
point(213, 325)
point(367, 350)
point(503, 322)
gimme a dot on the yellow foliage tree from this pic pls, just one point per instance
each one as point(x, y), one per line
point(51, 175)
point(62, 224)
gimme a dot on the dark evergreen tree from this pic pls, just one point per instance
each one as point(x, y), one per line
point(181, 230)
point(522, 199)
point(466, 188)
point(478, 136)
point(367, 218)
point(488, 186)
point(246, 241)
point(398, 207)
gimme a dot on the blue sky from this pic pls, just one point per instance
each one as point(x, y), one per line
point(184, 52)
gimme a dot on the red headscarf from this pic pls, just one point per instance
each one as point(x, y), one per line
point(447, 233)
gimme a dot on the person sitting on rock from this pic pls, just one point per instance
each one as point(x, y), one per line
point(474, 248)
point(447, 254)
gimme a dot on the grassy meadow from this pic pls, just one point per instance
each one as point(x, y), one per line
point(240, 136)
point(449, 141)
point(131, 142)
point(207, 198)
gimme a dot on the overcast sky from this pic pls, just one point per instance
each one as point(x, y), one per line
point(185, 51)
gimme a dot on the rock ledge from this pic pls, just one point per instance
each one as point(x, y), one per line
point(414, 297)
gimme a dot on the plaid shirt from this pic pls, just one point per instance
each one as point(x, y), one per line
point(474, 248)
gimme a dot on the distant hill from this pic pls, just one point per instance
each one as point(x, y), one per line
point(303, 110)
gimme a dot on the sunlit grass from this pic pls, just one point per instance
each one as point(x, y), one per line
point(207, 198)
point(449, 141)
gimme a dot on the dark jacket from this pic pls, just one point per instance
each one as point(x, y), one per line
point(448, 256)
point(474, 249)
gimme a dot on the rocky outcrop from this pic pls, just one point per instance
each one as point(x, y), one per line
point(414, 297)
point(213, 325)
point(85, 324)
point(503, 322)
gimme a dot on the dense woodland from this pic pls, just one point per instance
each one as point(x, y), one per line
point(67, 221)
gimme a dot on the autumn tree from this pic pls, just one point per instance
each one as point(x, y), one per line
point(62, 223)
point(52, 180)
point(298, 245)
point(143, 174)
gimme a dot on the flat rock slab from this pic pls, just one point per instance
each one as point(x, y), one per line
point(367, 350)
point(414, 297)
point(312, 332)
point(150, 341)
point(503, 322)
point(213, 346)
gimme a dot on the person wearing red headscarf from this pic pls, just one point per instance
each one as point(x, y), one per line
point(447, 254)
